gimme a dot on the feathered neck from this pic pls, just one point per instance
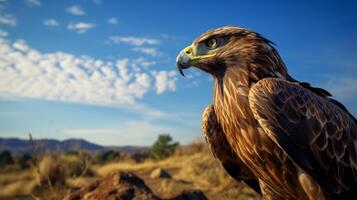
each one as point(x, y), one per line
point(231, 88)
point(251, 60)
point(245, 75)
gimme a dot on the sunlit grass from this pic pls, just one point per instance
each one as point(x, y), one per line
point(191, 167)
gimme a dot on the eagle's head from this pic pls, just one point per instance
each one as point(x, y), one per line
point(231, 47)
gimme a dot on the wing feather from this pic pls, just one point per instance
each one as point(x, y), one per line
point(220, 148)
point(316, 133)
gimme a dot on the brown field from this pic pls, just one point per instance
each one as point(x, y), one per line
point(191, 167)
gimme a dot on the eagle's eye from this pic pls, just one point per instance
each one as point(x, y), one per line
point(211, 43)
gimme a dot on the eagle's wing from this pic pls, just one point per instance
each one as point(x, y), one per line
point(220, 148)
point(317, 134)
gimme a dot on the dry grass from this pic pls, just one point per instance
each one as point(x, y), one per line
point(167, 187)
point(79, 182)
point(19, 188)
point(17, 182)
point(49, 171)
point(102, 170)
point(191, 167)
point(50, 177)
point(6, 178)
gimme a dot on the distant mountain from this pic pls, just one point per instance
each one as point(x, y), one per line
point(40, 146)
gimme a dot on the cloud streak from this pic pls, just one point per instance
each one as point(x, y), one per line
point(75, 10)
point(33, 3)
point(80, 27)
point(148, 51)
point(112, 21)
point(134, 41)
point(50, 22)
point(8, 19)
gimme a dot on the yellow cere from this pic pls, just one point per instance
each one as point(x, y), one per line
point(188, 51)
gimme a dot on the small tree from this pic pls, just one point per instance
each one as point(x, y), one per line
point(163, 147)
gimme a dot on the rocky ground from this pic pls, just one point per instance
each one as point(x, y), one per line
point(127, 186)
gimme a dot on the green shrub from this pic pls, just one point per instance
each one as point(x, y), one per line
point(6, 158)
point(163, 147)
point(108, 156)
point(24, 161)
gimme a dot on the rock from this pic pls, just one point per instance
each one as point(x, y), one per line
point(190, 195)
point(115, 186)
point(125, 186)
point(160, 173)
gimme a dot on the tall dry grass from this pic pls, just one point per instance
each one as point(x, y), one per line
point(58, 174)
point(50, 177)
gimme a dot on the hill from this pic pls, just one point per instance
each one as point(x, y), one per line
point(21, 146)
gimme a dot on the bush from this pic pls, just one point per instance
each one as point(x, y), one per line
point(107, 156)
point(24, 161)
point(72, 152)
point(139, 157)
point(76, 165)
point(6, 158)
point(49, 171)
point(163, 147)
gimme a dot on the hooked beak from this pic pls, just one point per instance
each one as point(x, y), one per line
point(187, 58)
point(184, 59)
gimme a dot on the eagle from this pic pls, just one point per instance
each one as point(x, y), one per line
point(285, 138)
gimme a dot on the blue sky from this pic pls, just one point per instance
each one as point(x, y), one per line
point(105, 70)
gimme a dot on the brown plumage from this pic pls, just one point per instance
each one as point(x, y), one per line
point(297, 141)
point(221, 150)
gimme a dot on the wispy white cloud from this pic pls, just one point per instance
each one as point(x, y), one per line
point(50, 22)
point(8, 19)
point(80, 27)
point(112, 21)
point(148, 51)
point(165, 81)
point(33, 3)
point(135, 41)
point(60, 76)
point(75, 10)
